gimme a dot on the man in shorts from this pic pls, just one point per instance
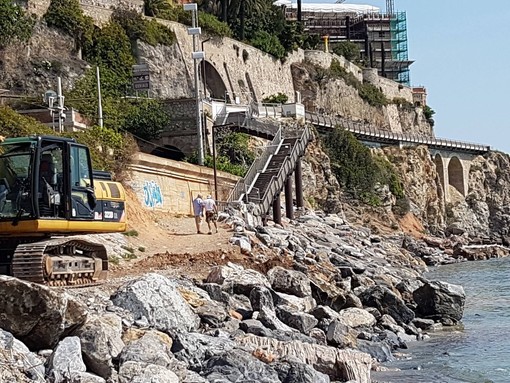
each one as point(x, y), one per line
point(211, 213)
point(198, 211)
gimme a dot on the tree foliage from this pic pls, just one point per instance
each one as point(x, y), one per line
point(99, 140)
point(67, 16)
point(15, 24)
point(138, 28)
point(145, 119)
point(347, 49)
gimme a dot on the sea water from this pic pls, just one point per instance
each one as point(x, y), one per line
point(477, 351)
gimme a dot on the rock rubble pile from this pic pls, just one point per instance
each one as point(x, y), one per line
point(346, 302)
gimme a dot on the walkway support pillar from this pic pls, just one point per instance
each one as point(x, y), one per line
point(277, 211)
point(298, 173)
point(289, 208)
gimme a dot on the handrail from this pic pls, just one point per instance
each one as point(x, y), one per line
point(257, 166)
point(383, 135)
point(276, 183)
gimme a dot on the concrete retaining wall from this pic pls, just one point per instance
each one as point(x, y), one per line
point(170, 186)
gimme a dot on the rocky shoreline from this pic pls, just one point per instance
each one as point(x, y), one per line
point(346, 302)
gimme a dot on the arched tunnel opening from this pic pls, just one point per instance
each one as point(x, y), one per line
point(456, 175)
point(438, 160)
point(170, 152)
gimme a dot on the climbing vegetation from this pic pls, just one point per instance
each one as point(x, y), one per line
point(357, 170)
point(15, 23)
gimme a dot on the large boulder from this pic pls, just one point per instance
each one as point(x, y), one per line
point(238, 366)
point(137, 372)
point(289, 281)
point(17, 362)
point(36, 315)
point(338, 364)
point(66, 360)
point(158, 299)
point(387, 302)
point(235, 279)
point(101, 342)
point(440, 301)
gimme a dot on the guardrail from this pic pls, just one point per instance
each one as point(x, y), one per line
point(369, 132)
point(243, 185)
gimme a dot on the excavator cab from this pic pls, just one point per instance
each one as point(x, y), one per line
point(47, 189)
point(47, 177)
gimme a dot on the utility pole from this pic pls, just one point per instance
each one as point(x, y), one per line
point(196, 55)
point(99, 101)
point(60, 107)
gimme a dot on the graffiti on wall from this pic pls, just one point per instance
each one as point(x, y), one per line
point(152, 196)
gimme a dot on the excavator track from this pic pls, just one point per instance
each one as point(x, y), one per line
point(61, 262)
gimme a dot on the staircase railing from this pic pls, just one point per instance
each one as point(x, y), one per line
point(243, 185)
point(277, 181)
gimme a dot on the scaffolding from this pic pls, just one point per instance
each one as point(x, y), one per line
point(381, 37)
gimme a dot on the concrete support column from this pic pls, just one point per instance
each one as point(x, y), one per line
point(277, 211)
point(289, 208)
point(299, 184)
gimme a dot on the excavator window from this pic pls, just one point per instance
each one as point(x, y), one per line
point(50, 182)
point(15, 173)
point(82, 192)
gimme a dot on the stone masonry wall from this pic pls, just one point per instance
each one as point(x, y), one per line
point(324, 60)
point(247, 72)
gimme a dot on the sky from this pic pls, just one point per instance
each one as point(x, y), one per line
point(461, 53)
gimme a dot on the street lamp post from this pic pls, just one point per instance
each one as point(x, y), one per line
point(195, 31)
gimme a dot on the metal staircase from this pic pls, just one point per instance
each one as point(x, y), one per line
point(267, 175)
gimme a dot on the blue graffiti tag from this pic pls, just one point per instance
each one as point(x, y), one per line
point(152, 196)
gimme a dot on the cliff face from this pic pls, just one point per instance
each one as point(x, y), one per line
point(418, 174)
point(33, 68)
point(485, 212)
point(335, 97)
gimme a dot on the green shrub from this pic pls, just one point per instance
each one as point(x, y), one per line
point(268, 43)
point(357, 170)
point(131, 233)
point(156, 8)
point(347, 49)
point(428, 112)
point(338, 71)
point(211, 24)
point(111, 49)
point(138, 28)
point(67, 15)
point(402, 102)
point(13, 124)
point(15, 24)
point(373, 95)
point(280, 98)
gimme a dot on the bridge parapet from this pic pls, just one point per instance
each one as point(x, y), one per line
point(369, 133)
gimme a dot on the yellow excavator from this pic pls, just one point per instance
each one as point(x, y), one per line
point(48, 194)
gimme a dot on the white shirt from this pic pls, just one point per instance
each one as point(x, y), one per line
point(209, 204)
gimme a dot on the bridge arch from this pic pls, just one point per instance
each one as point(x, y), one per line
point(456, 175)
point(438, 161)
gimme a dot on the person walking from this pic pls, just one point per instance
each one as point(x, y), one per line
point(211, 213)
point(198, 211)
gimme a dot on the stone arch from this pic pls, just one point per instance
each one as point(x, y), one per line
point(438, 160)
point(170, 152)
point(213, 82)
point(456, 175)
